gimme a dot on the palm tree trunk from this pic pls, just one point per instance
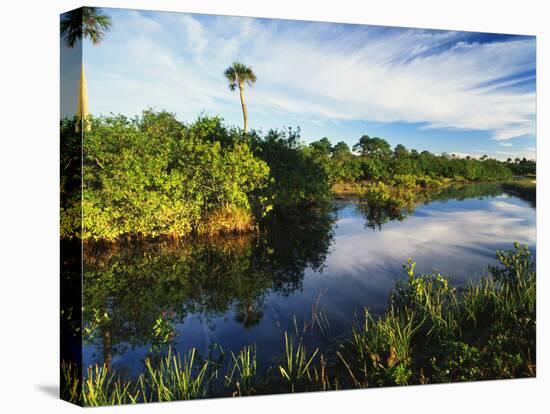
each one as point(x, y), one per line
point(83, 123)
point(243, 104)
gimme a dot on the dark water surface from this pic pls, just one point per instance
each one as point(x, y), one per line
point(240, 291)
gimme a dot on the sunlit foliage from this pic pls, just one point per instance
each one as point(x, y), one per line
point(153, 175)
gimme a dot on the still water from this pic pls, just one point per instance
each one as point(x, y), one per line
point(311, 274)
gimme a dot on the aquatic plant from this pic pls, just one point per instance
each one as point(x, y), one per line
point(100, 388)
point(173, 379)
point(242, 371)
point(488, 326)
point(295, 369)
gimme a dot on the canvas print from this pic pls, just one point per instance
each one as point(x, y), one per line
point(255, 206)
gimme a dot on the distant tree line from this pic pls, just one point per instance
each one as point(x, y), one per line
point(522, 166)
point(374, 159)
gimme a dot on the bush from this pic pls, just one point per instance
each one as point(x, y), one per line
point(299, 177)
point(153, 175)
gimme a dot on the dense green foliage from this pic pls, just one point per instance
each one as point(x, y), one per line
point(70, 197)
point(431, 333)
point(377, 162)
point(299, 174)
point(154, 175)
point(522, 166)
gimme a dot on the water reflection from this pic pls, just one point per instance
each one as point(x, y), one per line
point(245, 290)
point(376, 217)
point(130, 288)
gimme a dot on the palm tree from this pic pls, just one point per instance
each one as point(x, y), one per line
point(84, 23)
point(238, 74)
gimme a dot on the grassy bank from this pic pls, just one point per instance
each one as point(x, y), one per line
point(432, 332)
point(524, 187)
point(401, 191)
point(418, 183)
point(404, 191)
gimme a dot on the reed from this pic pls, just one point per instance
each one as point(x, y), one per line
point(435, 333)
point(295, 369)
point(173, 379)
point(241, 373)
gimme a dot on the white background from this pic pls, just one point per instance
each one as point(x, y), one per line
point(29, 286)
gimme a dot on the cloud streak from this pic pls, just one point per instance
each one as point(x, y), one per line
point(449, 234)
point(321, 72)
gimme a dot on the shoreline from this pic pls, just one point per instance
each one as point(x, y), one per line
point(522, 186)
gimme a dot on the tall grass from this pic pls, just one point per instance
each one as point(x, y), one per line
point(295, 369)
point(101, 388)
point(241, 373)
point(71, 384)
point(169, 379)
point(173, 379)
point(227, 219)
point(436, 333)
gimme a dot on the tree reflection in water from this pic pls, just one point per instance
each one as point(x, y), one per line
point(129, 286)
point(376, 217)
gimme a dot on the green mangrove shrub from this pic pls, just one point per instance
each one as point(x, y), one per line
point(152, 175)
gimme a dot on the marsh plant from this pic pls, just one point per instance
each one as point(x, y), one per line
point(242, 371)
point(175, 379)
point(436, 333)
point(295, 368)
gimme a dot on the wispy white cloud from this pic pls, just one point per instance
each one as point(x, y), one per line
point(318, 71)
point(528, 152)
point(449, 234)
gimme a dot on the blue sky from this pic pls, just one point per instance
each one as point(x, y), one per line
point(444, 91)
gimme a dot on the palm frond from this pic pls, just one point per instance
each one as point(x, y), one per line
point(231, 76)
point(238, 74)
point(86, 22)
